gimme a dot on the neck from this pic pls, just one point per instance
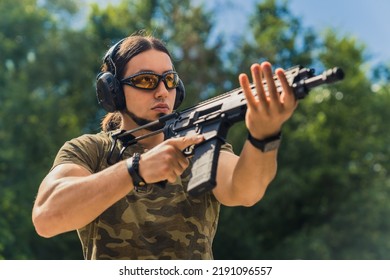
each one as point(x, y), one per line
point(132, 122)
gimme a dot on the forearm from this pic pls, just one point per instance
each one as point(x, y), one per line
point(242, 181)
point(70, 202)
point(253, 173)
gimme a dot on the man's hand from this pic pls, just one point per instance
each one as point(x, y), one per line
point(166, 161)
point(268, 111)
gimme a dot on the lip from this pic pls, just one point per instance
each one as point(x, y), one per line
point(161, 107)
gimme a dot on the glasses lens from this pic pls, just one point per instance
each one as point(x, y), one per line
point(145, 81)
point(150, 81)
point(171, 80)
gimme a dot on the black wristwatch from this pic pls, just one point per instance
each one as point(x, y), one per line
point(268, 144)
point(133, 169)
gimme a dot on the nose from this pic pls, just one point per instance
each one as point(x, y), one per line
point(161, 91)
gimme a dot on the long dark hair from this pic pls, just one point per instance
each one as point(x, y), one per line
point(129, 48)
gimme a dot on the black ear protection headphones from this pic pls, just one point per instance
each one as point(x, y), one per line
point(109, 91)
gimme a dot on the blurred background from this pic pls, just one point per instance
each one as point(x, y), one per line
point(330, 199)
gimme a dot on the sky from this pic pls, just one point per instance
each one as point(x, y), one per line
point(366, 20)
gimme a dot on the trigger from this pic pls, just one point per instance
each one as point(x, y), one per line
point(189, 151)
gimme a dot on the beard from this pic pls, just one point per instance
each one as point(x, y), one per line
point(141, 121)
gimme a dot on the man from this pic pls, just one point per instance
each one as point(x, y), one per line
point(119, 210)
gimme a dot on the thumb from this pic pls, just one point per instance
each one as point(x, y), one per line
point(183, 142)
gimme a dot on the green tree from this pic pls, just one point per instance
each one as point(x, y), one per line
point(276, 36)
point(45, 99)
point(50, 67)
point(330, 196)
point(280, 38)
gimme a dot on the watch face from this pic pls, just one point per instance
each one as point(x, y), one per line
point(270, 146)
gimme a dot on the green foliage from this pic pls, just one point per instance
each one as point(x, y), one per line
point(329, 200)
point(41, 93)
point(278, 37)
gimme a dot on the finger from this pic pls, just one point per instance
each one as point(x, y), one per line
point(177, 168)
point(287, 95)
point(267, 72)
point(244, 83)
point(182, 162)
point(171, 164)
point(258, 80)
point(183, 142)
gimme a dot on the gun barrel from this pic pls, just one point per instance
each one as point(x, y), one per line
point(329, 76)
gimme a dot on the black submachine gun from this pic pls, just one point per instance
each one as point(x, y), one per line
point(213, 118)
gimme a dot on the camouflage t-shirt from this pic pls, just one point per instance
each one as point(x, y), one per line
point(156, 223)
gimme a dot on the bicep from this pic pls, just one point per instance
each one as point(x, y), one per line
point(56, 175)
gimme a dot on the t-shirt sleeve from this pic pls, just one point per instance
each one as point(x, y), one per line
point(83, 151)
point(226, 147)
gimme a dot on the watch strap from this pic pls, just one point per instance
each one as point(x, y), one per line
point(266, 144)
point(133, 169)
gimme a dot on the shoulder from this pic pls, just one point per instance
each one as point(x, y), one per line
point(87, 150)
point(100, 138)
point(89, 142)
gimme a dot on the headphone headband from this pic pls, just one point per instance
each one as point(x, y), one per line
point(110, 56)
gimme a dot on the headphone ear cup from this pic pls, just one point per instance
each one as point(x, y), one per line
point(109, 92)
point(180, 95)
